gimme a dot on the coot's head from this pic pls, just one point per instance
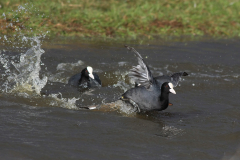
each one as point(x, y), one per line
point(167, 87)
point(88, 72)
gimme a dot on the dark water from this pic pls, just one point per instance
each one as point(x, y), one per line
point(47, 122)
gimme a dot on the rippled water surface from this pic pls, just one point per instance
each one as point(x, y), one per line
point(42, 117)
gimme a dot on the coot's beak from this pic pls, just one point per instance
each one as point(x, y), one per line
point(91, 75)
point(172, 91)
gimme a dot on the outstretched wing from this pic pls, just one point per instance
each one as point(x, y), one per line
point(140, 73)
point(174, 78)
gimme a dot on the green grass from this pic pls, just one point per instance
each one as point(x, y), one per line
point(122, 18)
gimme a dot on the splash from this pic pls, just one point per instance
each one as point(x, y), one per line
point(119, 106)
point(121, 81)
point(170, 132)
point(63, 70)
point(20, 73)
point(58, 100)
point(15, 28)
point(69, 66)
point(23, 75)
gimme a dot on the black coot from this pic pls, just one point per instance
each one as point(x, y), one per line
point(85, 79)
point(151, 93)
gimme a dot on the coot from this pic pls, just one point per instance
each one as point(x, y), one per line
point(150, 93)
point(85, 79)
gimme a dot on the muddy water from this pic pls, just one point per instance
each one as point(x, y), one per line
point(41, 116)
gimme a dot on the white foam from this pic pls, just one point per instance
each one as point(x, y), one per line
point(121, 76)
point(69, 66)
point(171, 131)
point(69, 103)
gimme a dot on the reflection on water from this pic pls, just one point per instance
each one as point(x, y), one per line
point(41, 112)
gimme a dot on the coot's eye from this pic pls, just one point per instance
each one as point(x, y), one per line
point(167, 86)
point(86, 71)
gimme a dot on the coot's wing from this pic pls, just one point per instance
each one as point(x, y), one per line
point(96, 77)
point(74, 80)
point(140, 73)
point(174, 78)
point(162, 79)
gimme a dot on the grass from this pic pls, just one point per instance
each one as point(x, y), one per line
point(122, 18)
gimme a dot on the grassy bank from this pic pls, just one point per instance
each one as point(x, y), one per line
point(131, 18)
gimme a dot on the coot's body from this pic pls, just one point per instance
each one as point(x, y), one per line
point(147, 100)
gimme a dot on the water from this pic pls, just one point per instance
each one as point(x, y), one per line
point(41, 116)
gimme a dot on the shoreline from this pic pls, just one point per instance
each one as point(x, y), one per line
point(114, 19)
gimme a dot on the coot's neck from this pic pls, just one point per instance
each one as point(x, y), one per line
point(164, 100)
